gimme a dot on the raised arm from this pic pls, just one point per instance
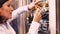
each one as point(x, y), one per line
point(20, 10)
point(35, 23)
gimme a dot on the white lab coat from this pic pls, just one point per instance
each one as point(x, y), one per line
point(7, 29)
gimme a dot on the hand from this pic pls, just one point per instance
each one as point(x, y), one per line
point(37, 16)
point(33, 5)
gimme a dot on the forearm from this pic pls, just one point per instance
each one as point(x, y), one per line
point(19, 11)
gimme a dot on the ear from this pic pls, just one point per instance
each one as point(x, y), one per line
point(0, 11)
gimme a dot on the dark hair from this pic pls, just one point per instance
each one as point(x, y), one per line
point(1, 19)
point(2, 2)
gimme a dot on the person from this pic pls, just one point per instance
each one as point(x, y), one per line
point(7, 15)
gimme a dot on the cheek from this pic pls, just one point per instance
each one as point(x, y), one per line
point(6, 13)
point(6, 9)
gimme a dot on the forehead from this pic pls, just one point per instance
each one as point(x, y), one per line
point(8, 2)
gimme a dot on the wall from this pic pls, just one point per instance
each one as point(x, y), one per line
point(52, 16)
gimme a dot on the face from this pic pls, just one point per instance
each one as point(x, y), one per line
point(6, 10)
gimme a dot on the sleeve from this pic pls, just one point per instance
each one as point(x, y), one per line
point(33, 28)
point(2, 31)
point(17, 12)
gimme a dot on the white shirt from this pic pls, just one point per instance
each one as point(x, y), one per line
point(7, 29)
